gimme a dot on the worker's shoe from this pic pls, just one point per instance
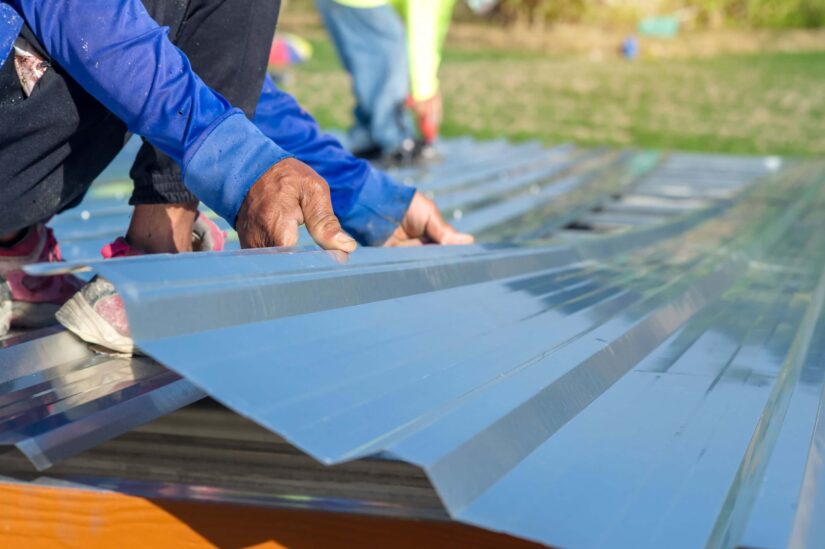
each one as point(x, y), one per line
point(96, 313)
point(371, 153)
point(411, 153)
point(31, 301)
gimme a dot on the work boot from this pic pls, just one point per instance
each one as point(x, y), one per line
point(411, 153)
point(31, 301)
point(96, 313)
point(371, 153)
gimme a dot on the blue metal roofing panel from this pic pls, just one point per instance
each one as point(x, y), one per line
point(655, 380)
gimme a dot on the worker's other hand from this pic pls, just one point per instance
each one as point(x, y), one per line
point(288, 195)
point(423, 224)
point(431, 108)
point(429, 113)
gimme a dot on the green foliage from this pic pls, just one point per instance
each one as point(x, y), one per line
point(705, 13)
point(754, 104)
point(545, 10)
point(764, 13)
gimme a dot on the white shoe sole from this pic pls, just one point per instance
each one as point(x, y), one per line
point(82, 320)
point(5, 317)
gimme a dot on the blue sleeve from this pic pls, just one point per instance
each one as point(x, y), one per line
point(369, 203)
point(10, 25)
point(121, 56)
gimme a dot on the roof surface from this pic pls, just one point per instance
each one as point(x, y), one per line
point(632, 356)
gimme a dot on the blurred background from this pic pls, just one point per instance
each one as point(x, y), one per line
point(737, 76)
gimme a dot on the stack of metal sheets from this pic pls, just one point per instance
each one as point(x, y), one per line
point(632, 355)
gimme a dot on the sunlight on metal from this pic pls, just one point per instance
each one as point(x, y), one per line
point(58, 398)
point(632, 356)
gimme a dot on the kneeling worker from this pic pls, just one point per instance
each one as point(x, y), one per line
point(77, 77)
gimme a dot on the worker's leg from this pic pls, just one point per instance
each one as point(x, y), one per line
point(53, 143)
point(54, 140)
point(227, 42)
point(372, 46)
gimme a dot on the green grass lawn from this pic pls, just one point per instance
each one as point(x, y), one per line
point(764, 104)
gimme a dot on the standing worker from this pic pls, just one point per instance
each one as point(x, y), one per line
point(392, 50)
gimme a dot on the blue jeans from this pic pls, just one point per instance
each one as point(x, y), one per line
point(372, 46)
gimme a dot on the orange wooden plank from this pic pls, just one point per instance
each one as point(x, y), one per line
point(38, 517)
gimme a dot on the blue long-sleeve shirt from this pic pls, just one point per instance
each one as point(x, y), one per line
point(121, 56)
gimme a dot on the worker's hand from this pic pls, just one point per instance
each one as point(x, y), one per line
point(428, 112)
point(288, 195)
point(423, 224)
point(432, 108)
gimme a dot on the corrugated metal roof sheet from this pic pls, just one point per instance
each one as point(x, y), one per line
point(207, 452)
point(632, 357)
point(58, 398)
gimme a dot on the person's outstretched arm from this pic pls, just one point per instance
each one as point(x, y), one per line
point(427, 24)
point(122, 57)
point(371, 206)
